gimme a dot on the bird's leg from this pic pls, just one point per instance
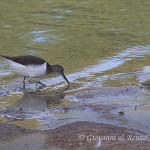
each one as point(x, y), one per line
point(39, 82)
point(24, 82)
point(24, 79)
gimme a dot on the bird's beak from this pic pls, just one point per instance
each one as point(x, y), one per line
point(65, 77)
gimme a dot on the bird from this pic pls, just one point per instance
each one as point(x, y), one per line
point(33, 67)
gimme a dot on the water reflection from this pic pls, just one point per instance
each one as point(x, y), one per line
point(33, 104)
point(41, 36)
point(40, 101)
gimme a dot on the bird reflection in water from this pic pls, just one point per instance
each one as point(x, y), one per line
point(35, 101)
point(40, 100)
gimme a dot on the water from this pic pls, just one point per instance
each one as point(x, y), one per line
point(99, 43)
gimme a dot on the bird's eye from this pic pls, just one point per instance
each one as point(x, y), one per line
point(61, 70)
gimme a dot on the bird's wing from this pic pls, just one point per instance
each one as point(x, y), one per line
point(26, 60)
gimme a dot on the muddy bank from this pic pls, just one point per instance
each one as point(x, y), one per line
point(77, 135)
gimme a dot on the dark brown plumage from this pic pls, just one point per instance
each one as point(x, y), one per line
point(26, 60)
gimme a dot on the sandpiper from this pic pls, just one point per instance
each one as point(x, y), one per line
point(33, 67)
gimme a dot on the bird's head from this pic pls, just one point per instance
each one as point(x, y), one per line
point(57, 69)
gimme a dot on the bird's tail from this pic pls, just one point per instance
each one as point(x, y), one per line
point(3, 56)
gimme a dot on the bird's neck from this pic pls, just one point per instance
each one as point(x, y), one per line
point(50, 69)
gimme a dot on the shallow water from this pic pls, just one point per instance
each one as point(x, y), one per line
point(99, 43)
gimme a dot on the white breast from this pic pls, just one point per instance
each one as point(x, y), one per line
point(31, 71)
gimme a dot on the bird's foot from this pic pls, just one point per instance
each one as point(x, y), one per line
point(32, 81)
point(39, 82)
